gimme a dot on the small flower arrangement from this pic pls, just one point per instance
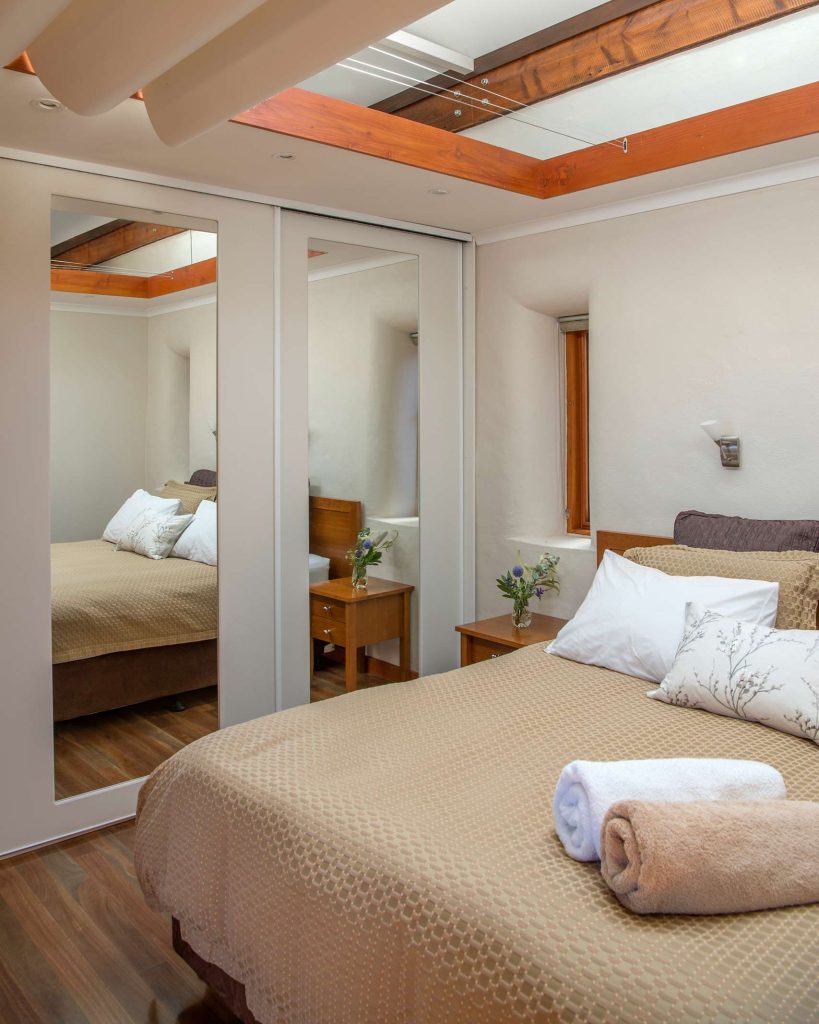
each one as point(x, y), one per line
point(368, 551)
point(523, 582)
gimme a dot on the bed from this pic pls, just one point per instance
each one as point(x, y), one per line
point(127, 629)
point(388, 857)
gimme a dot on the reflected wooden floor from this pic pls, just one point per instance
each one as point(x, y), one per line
point(79, 945)
point(114, 746)
point(329, 682)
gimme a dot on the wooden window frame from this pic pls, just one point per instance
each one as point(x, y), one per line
point(578, 517)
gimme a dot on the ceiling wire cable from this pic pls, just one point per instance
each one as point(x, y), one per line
point(621, 143)
point(419, 85)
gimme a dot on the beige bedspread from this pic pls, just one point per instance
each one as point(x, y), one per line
point(104, 600)
point(387, 857)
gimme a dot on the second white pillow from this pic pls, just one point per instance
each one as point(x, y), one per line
point(633, 617)
point(198, 542)
point(153, 533)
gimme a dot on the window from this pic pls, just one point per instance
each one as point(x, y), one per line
point(578, 519)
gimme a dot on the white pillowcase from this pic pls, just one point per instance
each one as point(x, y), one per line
point(153, 533)
point(633, 617)
point(198, 542)
point(743, 671)
point(140, 501)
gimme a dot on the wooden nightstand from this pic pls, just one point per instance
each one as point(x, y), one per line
point(353, 618)
point(491, 638)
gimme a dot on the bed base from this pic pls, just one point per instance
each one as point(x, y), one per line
point(123, 678)
point(227, 989)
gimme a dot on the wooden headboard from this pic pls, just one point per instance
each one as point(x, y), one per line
point(619, 543)
point(334, 526)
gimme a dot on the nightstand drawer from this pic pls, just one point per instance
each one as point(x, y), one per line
point(326, 608)
point(483, 650)
point(331, 631)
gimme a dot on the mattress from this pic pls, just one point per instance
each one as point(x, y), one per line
point(387, 857)
point(104, 600)
point(319, 568)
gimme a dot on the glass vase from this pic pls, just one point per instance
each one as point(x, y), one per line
point(359, 577)
point(521, 617)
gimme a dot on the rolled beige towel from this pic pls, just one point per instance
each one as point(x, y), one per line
point(711, 856)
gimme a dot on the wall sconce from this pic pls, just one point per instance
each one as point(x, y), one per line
point(728, 444)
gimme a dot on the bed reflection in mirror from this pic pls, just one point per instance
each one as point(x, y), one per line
point(133, 491)
point(363, 344)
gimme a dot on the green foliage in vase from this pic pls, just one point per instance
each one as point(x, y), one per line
point(369, 550)
point(523, 582)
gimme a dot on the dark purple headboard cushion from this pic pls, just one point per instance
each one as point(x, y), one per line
point(203, 478)
point(733, 533)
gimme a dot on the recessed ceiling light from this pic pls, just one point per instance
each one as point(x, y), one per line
point(285, 156)
point(438, 191)
point(46, 103)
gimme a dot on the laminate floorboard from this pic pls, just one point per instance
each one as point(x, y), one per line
point(78, 945)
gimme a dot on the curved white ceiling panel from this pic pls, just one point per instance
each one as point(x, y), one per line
point(23, 20)
point(276, 46)
point(96, 53)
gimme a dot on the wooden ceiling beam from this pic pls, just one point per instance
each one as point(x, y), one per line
point(784, 115)
point(122, 237)
point(307, 115)
point(630, 41)
point(488, 62)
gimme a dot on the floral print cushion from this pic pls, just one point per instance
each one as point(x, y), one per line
point(746, 671)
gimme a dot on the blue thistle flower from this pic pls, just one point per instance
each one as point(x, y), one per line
point(539, 592)
point(517, 571)
point(367, 544)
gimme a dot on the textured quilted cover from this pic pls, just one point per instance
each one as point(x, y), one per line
point(796, 572)
point(104, 600)
point(387, 857)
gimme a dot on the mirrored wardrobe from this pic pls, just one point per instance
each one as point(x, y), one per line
point(363, 342)
point(134, 577)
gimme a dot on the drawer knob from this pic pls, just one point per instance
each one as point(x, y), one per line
point(328, 632)
point(327, 607)
point(494, 655)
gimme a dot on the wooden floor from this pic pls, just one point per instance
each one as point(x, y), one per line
point(78, 945)
point(114, 746)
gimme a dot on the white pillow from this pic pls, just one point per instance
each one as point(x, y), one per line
point(139, 501)
point(633, 617)
point(198, 542)
point(744, 671)
point(153, 533)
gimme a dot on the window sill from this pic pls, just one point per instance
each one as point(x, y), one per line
point(557, 542)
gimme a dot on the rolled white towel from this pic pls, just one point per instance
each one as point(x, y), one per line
point(586, 790)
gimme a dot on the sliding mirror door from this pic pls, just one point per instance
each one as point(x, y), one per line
point(363, 344)
point(374, 463)
point(133, 481)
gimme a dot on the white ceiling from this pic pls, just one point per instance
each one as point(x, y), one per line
point(241, 158)
point(66, 224)
point(473, 27)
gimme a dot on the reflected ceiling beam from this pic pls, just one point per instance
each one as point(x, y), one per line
point(98, 282)
point(784, 115)
point(110, 241)
point(307, 115)
point(85, 236)
point(630, 41)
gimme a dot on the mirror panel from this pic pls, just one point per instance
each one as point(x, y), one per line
point(363, 345)
point(133, 346)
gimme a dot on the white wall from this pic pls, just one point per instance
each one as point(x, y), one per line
point(98, 395)
point(697, 312)
point(182, 392)
point(363, 381)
